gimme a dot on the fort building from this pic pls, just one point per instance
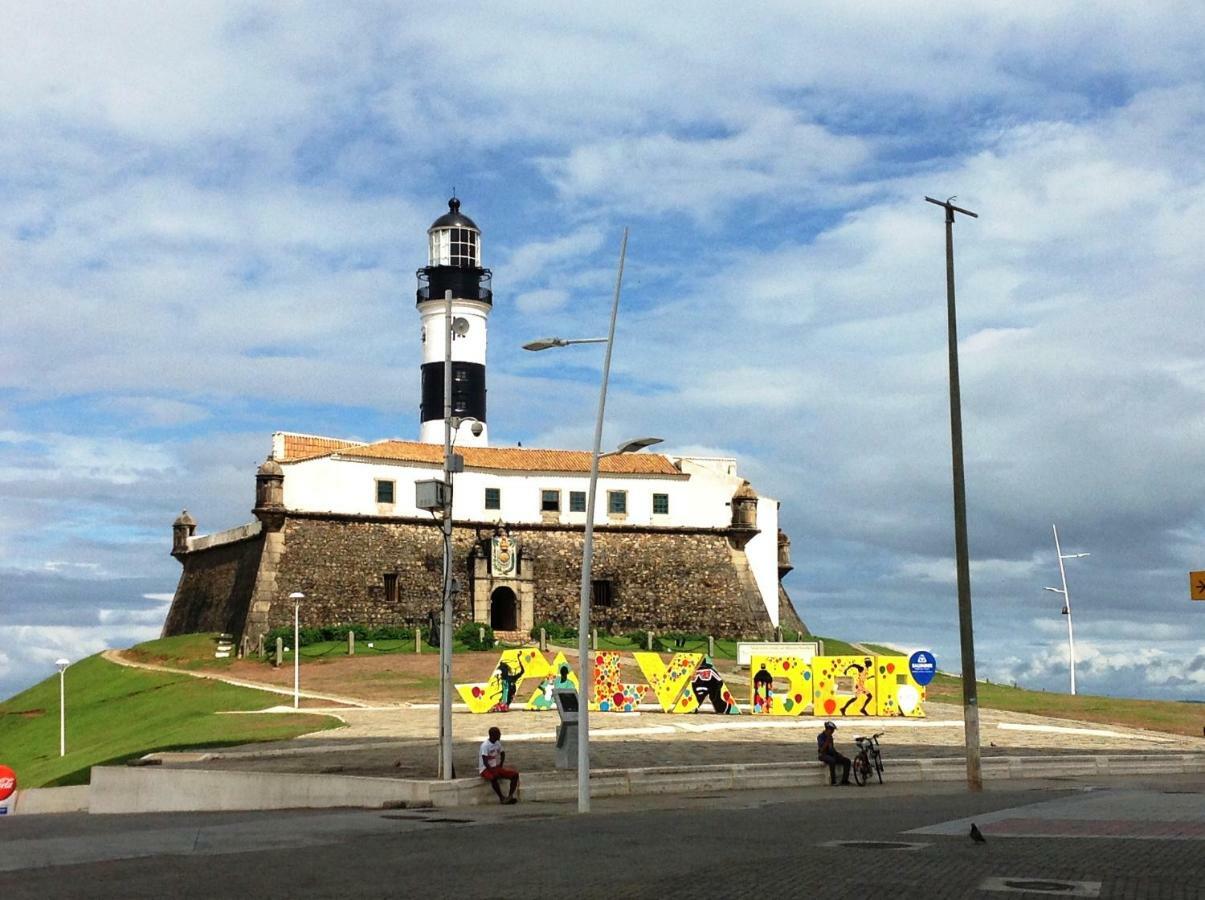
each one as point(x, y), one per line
point(682, 543)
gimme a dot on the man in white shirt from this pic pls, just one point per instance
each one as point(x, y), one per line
point(492, 767)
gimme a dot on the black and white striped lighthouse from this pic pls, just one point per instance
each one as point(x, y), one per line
point(454, 264)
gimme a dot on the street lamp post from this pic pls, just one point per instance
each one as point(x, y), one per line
point(970, 698)
point(296, 597)
point(62, 664)
point(1066, 600)
point(583, 624)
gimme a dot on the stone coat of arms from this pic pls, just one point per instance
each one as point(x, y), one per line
point(504, 555)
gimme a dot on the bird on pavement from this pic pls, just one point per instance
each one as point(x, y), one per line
point(977, 835)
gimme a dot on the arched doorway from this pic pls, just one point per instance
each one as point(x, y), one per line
point(503, 609)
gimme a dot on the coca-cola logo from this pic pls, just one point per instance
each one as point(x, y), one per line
point(8, 782)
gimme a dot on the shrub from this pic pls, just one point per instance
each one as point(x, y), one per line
point(475, 636)
point(388, 633)
point(555, 631)
point(639, 638)
point(678, 641)
point(337, 633)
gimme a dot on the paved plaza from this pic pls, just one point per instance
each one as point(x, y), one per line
point(895, 841)
point(401, 741)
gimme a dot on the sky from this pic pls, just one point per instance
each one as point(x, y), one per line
point(212, 213)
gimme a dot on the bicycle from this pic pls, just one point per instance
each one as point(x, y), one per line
point(869, 759)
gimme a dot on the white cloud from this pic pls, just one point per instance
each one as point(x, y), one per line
point(703, 175)
point(152, 617)
point(33, 650)
point(211, 224)
point(542, 301)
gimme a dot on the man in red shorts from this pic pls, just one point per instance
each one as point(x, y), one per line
point(492, 767)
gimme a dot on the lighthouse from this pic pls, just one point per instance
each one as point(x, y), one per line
point(454, 265)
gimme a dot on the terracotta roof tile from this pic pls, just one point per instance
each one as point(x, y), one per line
point(511, 458)
point(309, 446)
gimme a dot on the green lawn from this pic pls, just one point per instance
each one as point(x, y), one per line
point(195, 651)
point(184, 651)
point(724, 647)
point(116, 713)
point(1157, 715)
point(835, 647)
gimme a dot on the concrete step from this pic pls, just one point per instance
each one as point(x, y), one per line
point(121, 789)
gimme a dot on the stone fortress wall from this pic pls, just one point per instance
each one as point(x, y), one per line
point(693, 580)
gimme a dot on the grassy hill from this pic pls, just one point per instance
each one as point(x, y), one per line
point(116, 713)
point(1157, 715)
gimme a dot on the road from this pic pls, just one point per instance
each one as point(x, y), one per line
point(1136, 838)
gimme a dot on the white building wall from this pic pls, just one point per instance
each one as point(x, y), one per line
point(349, 487)
point(717, 476)
point(762, 553)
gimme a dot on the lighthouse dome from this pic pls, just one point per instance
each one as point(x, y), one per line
point(454, 218)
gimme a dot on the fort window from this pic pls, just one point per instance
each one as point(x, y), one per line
point(493, 498)
point(384, 491)
point(617, 503)
point(391, 594)
point(550, 501)
point(577, 501)
point(661, 504)
point(602, 592)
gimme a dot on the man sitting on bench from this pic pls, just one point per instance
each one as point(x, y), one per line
point(491, 767)
point(829, 756)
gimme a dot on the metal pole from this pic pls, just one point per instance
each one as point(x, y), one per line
point(970, 698)
point(445, 625)
point(296, 654)
point(583, 623)
point(62, 712)
point(1066, 605)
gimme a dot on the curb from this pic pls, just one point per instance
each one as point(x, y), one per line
point(120, 789)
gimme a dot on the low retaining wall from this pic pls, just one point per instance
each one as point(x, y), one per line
point(49, 800)
point(120, 789)
point(142, 789)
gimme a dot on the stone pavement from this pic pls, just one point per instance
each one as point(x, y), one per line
point(894, 842)
point(401, 742)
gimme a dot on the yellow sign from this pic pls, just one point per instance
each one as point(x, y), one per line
point(1196, 585)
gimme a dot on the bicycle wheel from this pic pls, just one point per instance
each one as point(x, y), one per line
point(861, 770)
point(878, 767)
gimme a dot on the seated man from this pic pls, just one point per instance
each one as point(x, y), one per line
point(491, 767)
point(829, 756)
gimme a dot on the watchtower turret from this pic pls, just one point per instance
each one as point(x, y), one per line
point(182, 529)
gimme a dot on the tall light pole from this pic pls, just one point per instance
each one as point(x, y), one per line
point(1066, 600)
point(296, 597)
point(583, 623)
point(62, 664)
point(445, 621)
point(970, 697)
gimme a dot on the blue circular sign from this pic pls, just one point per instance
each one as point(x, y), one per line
point(923, 667)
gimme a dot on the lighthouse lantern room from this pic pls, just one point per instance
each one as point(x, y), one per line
point(454, 265)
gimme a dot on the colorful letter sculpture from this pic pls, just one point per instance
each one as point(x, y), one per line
point(866, 686)
point(835, 694)
point(560, 677)
point(708, 684)
point(766, 699)
point(497, 694)
point(899, 693)
point(670, 683)
point(845, 685)
point(610, 693)
point(857, 685)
